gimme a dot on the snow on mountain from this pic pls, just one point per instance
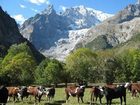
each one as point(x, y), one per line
point(55, 35)
point(81, 17)
point(99, 14)
point(66, 45)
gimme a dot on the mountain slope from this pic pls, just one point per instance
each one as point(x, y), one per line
point(115, 30)
point(56, 34)
point(9, 34)
point(133, 43)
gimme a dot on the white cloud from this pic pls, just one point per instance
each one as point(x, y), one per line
point(19, 18)
point(35, 10)
point(22, 6)
point(62, 7)
point(47, 2)
point(39, 2)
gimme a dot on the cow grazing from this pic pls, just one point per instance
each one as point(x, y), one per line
point(117, 92)
point(50, 92)
point(134, 88)
point(37, 92)
point(13, 92)
point(96, 92)
point(3, 95)
point(75, 91)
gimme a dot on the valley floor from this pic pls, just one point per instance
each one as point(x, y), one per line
point(60, 100)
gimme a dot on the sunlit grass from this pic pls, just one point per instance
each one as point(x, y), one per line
point(60, 100)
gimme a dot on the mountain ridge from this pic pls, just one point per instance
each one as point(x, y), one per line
point(48, 28)
point(117, 29)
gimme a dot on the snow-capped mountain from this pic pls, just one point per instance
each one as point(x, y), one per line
point(56, 34)
point(116, 30)
point(80, 17)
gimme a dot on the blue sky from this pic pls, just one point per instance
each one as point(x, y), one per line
point(23, 9)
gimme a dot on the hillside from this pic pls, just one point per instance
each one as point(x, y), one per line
point(9, 34)
point(133, 43)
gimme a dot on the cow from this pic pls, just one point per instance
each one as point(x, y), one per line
point(3, 95)
point(75, 91)
point(134, 88)
point(13, 92)
point(23, 92)
point(117, 92)
point(37, 92)
point(50, 92)
point(96, 92)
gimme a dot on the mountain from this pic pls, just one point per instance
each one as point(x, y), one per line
point(9, 34)
point(113, 31)
point(56, 34)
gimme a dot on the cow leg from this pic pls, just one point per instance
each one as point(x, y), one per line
point(9, 98)
point(134, 93)
point(82, 99)
point(124, 100)
point(48, 98)
point(21, 98)
point(109, 101)
point(35, 98)
point(78, 98)
point(91, 98)
point(67, 97)
point(100, 98)
point(121, 100)
point(39, 98)
point(14, 98)
point(96, 98)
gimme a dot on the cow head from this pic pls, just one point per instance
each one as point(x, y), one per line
point(127, 85)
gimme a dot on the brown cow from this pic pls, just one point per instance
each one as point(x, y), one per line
point(13, 92)
point(134, 89)
point(75, 91)
point(96, 92)
point(37, 92)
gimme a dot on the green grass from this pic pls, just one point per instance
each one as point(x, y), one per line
point(60, 100)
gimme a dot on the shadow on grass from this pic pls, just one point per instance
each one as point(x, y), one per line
point(94, 103)
point(60, 102)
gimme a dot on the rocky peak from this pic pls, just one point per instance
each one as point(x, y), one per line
point(127, 14)
point(77, 10)
point(49, 10)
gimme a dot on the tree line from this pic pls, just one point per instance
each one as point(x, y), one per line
point(19, 67)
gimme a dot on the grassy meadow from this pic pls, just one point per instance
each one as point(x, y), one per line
point(60, 100)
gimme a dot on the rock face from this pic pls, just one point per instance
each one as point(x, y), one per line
point(9, 34)
point(115, 30)
point(56, 34)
